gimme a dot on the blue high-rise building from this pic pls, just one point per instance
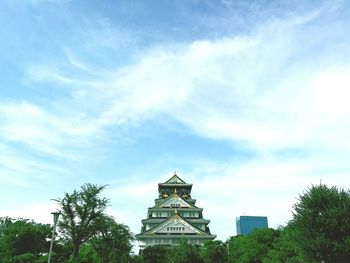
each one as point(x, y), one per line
point(247, 224)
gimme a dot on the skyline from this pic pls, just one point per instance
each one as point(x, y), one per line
point(246, 100)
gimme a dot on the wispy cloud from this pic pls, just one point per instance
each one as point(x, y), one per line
point(43, 131)
point(39, 212)
point(257, 88)
point(74, 61)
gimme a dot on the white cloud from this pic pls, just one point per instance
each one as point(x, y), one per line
point(224, 94)
point(256, 88)
point(39, 212)
point(74, 61)
point(331, 93)
point(44, 131)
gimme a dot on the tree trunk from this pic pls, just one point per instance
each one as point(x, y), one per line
point(75, 256)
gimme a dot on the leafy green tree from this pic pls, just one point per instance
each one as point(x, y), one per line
point(25, 258)
point(112, 241)
point(87, 254)
point(322, 223)
point(155, 254)
point(252, 248)
point(238, 249)
point(5, 250)
point(185, 253)
point(214, 251)
point(136, 259)
point(62, 252)
point(21, 239)
point(80, 214)
point(285, 248)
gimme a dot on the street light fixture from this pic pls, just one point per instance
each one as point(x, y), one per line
point(55, 220)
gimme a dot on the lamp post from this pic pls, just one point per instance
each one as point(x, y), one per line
point(55, 219)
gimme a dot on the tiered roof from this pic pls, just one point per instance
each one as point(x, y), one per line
point(174, 216)
point(175, 224)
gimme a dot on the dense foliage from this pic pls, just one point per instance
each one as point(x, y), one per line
point(318, 232)
point(252, 248)
point(322, 223)
point(112, 241)
point(22, 240)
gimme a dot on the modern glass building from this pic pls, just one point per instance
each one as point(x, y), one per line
point(174, 216)
point(247, 224)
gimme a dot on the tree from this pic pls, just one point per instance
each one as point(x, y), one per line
point(322, 223)
point(285, 248)
point(237, 247)
point(87, 254)
point(214, 251)
point(185, 253)
point(155, 254)
point(61, 252)
point(22, 240)
point(252, 248)
point(112, 241)
point(25, 258)
point(80, 213)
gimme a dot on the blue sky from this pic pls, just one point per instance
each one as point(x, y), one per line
point(247, 100)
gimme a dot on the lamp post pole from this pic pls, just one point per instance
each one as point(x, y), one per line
point(55, 219)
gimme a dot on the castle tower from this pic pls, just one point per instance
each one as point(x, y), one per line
point(174, 216)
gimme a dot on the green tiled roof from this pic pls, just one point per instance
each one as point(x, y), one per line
point(175, 180)
point(174, 215)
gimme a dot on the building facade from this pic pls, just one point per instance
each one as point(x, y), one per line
point(247, 224)
point(174, 216)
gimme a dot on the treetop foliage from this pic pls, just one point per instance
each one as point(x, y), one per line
point(322, 223)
